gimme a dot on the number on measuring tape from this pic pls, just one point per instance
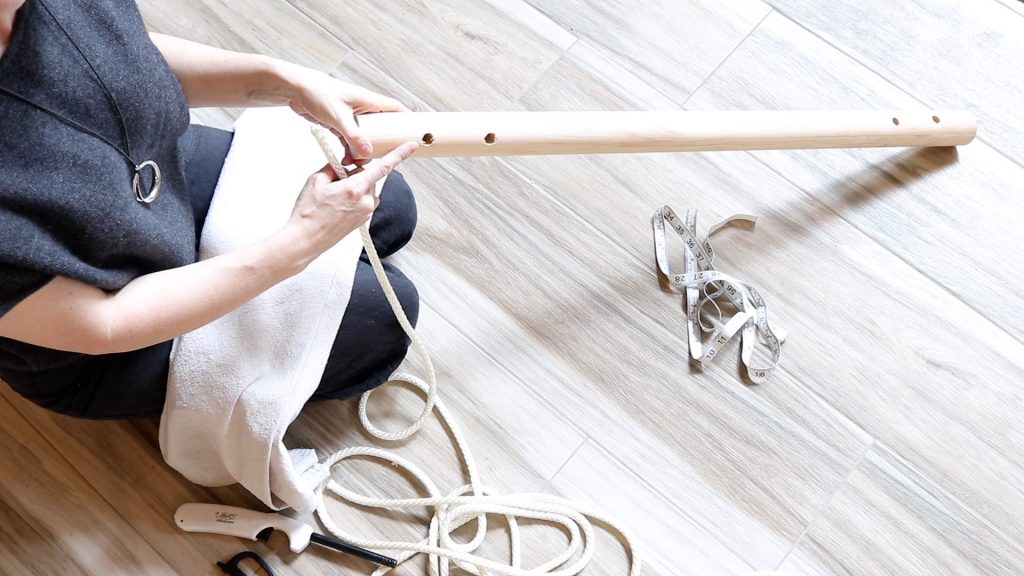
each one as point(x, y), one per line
point(751, 318)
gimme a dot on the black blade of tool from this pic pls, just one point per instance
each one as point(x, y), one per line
point(343, 546)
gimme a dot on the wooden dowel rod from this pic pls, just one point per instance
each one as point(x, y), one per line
point(524, 133)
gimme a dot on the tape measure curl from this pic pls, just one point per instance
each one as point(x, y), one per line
point(703, 286)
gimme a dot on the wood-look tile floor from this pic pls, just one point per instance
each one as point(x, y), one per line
point(891, 441)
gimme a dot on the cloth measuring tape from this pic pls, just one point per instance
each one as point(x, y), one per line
point(703, 287)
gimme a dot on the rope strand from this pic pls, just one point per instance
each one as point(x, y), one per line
point(472, 501)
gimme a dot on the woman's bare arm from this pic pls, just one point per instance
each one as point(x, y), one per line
point(69, 315)
point(214, 77)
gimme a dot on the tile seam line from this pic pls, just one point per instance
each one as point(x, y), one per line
point(808, 389)
point(587, 438)
point(987, 522)
point(862, 231)
point(889, 80)
point(696, 521)
point(937, 487)
point(828, 503)
point(309, 18)
point(530, 85)
point(507, 369)
point(996, 327)
point(721, 63)
point(856, 426)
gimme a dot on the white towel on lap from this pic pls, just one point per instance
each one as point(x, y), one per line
point(237, 383)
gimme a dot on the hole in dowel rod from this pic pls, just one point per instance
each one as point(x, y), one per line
point(895, 121)
point(490, 138)
point(935, 119)
point(428, 139)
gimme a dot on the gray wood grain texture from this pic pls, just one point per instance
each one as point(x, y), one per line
point(491, 50)
point(671, 45)
point(54, 521)
point(891, 438)
point(951, 346)
point(272, 27)
point(581, 319)
point(890, 519)
point(669, 540)
point(586, 78)
point(944, 190)
point(959, 54)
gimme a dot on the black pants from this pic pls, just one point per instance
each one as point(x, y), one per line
point(369, 345)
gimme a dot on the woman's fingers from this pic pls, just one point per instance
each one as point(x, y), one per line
point(356, 143)
point(348, 160)
point(335, 104)
point(377, 103)
point(389, 104)
point(352, 135)
point(370, 173)
point(324, 175)
point(364, 101)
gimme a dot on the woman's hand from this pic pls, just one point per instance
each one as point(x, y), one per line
point(334, 104)
point(328, 209)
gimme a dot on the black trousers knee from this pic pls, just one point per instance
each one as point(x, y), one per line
point(203, 151)
point(370, 343)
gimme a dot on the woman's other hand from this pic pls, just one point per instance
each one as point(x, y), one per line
point(334, 104)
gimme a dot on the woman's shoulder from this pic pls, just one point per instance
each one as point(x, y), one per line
point(92, 98)
point(110, 14)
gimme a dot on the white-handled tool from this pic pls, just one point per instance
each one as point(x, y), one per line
point(244, 523)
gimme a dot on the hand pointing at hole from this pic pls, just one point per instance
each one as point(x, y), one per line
point(328, 208)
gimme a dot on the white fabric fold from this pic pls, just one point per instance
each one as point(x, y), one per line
point(236, 384)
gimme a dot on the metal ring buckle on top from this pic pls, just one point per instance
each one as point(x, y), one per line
point(137, 182)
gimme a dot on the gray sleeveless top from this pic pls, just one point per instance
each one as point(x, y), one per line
point(66, 202)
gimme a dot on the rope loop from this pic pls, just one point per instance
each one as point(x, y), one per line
point(472, 501)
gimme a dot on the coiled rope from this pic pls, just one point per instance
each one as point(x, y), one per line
point(471, 501)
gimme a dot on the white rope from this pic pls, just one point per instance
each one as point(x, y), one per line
point(472, 501)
